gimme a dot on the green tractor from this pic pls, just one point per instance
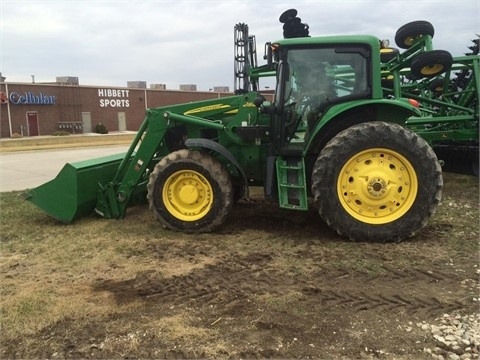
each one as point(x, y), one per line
point(327, 138)
point(447, 89)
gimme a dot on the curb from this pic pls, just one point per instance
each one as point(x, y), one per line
point(69, 141)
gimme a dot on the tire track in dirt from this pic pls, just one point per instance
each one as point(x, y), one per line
point(236, 278)
point(415, 274)
point(224, 282)
point(405, 292)
point(363, 301)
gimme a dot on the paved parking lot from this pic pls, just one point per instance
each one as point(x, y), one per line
point(28, 169)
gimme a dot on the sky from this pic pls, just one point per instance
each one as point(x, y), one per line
point(108, 43)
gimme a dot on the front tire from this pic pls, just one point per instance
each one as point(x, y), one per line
point(190, 191)
point(377, 181)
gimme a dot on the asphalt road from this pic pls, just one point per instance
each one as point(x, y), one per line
point(28, 169)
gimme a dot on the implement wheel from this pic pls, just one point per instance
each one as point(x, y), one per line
point(431, 63)
point(190, 191)
point(388, 53)
point(409, 33)
point(377, 182)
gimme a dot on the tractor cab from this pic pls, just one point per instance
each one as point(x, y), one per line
point(312, 77)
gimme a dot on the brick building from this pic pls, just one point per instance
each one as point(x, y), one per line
point(31, 109)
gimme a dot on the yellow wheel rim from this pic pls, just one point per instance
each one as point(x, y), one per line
point(187, 195)
point(411, 39)
point(432, 69)
point(377, 186)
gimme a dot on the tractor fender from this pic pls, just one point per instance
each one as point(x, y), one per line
point(390, 110)
point(224, 155)
point(341, 116)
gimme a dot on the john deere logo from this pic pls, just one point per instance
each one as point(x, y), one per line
point(3, 98)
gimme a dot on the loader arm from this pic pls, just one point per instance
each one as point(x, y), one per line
point(132, 175)
point(129, 180)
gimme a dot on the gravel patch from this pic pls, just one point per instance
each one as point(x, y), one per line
point(457, 337)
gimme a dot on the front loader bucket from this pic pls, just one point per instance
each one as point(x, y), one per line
point(73, 192)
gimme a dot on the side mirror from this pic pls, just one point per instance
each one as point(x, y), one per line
point(268, 55)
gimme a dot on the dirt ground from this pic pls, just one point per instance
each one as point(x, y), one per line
point(271, 283)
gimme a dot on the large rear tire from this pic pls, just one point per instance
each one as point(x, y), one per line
point(377, 181)
point(190, 191)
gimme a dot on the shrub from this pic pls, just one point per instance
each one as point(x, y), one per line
point(100, 129)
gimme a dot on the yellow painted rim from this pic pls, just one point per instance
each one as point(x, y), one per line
point(386, 50)
point(432, 69)
point(411, 39)
point(187, 195)
point(377, 186)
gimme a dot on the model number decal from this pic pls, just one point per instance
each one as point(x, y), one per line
point(207, 108)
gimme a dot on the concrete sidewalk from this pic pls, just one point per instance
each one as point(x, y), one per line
point(31, 161)
point(21, 170)
point(69, 141)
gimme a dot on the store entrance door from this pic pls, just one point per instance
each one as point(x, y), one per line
point(122, 121)
point(87, 122)
point(32, 123)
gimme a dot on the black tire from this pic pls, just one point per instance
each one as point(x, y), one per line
point(411, 77)
point(388, 53)
point(378, 182)
point(475, 166)
point(436, 86)
point(190, 191)
point(388, 82)
point(408, 33)
point(238, 193)
point(431, 63)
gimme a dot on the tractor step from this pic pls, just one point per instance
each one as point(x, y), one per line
point(292, 184)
